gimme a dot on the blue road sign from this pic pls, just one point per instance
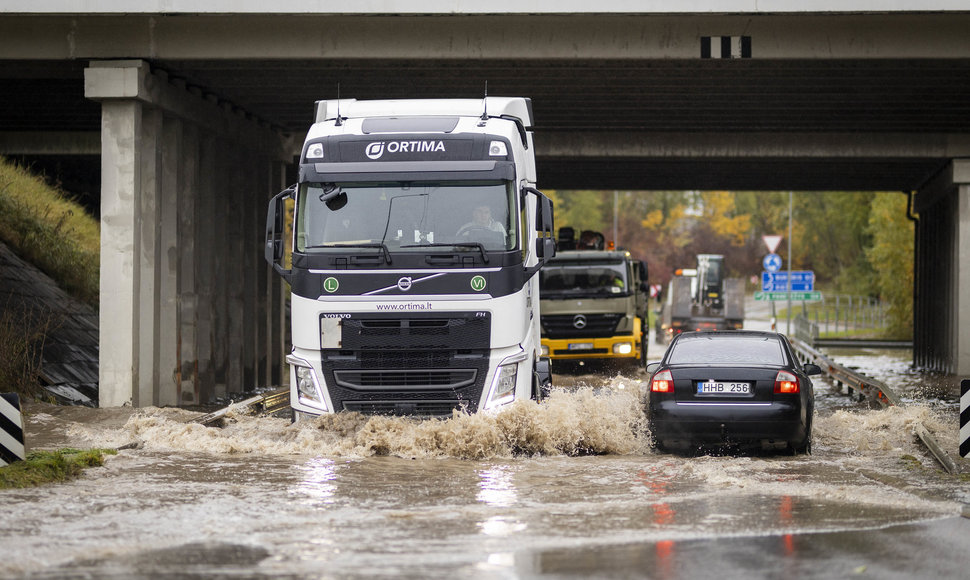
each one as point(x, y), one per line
point(801, 281)
point(772, 262)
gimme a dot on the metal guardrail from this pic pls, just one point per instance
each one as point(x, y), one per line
point(862, 343)
point(265, 404)
point(869, 388)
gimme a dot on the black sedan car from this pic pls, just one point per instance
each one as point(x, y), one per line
point(726, 388)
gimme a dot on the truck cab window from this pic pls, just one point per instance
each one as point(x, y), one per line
point(407, 216)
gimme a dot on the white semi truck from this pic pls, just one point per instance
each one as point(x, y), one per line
point(415, 238)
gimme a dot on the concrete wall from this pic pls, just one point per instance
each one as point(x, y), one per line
point(188, 309)
point(942, 304)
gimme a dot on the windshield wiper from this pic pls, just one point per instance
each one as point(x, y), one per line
point(385, 253)
point(479, 245)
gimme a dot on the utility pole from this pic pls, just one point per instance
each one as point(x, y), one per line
point(788, 332)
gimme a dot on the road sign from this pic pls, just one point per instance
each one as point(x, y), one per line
point(813, 296)
point(772, 262)
point(772, 242)
point(801, 281)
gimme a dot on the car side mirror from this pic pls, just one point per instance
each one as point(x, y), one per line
point(652, 367)
point(812, 369)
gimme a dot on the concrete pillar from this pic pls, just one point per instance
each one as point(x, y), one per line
point(179, 282)
point(120, 246)
point(207, 247)
point(250, 274)
point(261, 336)
point(168, 263)
point(147, 317)
point(961, 261)
point(942, 308)
point(187, 390)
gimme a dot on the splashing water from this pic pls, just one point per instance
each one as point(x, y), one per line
point(585, 421)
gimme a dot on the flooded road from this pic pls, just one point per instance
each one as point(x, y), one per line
point(569, 488)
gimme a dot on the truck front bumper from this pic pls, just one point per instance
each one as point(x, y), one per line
point(615, 347)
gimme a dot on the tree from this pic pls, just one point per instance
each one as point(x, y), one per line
point(891, 257)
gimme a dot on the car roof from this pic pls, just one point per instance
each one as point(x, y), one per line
point(696, 335)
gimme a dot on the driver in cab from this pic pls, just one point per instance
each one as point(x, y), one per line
point(481, 220)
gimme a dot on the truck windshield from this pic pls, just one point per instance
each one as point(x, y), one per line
point(408, 216)
point(583, 279)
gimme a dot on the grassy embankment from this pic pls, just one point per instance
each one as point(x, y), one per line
point(50, 466)
point(43, 226)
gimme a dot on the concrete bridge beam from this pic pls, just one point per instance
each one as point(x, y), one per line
point(184, 290)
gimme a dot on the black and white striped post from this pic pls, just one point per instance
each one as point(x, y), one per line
point(964, 417)
point(11, 429)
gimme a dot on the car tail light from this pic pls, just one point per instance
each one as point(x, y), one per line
point(786, 382)
point(663, 382)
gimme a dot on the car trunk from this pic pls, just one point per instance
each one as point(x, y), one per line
point(724, 384)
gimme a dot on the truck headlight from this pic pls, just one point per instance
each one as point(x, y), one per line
point(545, 350)
point(622, 348)
point(503, 385)
point(307, 386)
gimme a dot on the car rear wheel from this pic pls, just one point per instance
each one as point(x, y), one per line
point(805, 445)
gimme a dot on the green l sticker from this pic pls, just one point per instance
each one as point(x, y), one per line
point(478, 283)
point(331, 284)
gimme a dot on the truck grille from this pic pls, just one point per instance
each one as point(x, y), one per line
point(406, 408)
point(414, 364)
point(405, 379)
point(557, 326)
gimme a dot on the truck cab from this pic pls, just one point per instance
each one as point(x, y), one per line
point(414, 236)
point(594, 304)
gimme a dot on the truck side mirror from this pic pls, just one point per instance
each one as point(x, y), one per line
point(545, 239)
point(275, 247)
point(545, 247)
point(643, 272)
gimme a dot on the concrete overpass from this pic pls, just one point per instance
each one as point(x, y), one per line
point(195, 110)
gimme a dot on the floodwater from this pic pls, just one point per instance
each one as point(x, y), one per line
point(568, 488)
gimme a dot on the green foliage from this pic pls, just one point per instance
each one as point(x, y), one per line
point(582, 210)
point(849, 239)
point(831, 237)
point(42, 467)
point(49, 230)
point(891, 256)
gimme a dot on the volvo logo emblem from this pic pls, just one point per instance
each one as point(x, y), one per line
point(404, 284)
point(579, 321)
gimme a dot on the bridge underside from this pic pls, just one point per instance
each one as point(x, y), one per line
point(620, 103)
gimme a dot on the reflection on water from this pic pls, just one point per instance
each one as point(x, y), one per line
point(496, 487)
point(319, 481)
point(500, 526)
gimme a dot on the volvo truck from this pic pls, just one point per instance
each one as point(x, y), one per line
point(594, 303)
point(411, 243)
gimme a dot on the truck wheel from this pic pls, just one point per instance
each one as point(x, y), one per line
point(644, 341)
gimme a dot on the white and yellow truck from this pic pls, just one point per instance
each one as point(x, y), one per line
point(594, 304)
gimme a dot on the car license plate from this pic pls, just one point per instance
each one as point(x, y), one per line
point(581, 346)
point(723, 388)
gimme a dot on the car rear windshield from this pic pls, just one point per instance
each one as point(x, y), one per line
point(733, 350)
